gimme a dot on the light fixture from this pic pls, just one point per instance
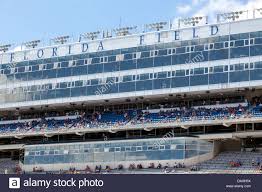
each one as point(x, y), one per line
point(231, 16)
point(123, 31)
point(257, 11)
point(32, 44)
point(4, 48)
point(89, 35)
point(192, 21)
point(60, 39)
point(156, 26)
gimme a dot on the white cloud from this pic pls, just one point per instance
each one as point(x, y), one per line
point(183, 9)
point(197, 2)
point(212, 7)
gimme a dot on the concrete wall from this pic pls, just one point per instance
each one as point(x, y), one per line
point(82, 166)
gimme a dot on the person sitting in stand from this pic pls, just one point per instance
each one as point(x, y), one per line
point(159, 166)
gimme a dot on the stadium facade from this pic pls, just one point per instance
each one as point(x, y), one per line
point(146, 76)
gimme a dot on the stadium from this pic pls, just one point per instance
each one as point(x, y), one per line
point(174, 97)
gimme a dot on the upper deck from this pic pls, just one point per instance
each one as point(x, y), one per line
point(202, 58)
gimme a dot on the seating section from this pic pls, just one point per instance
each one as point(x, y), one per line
point(187, 114)
point(114, 117)
point(233, 162)
point(104, 119)
point(8, 166)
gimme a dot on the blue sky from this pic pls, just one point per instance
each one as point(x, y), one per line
point(25, 20)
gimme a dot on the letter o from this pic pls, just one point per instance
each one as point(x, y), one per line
point(100, 183)
point(40, 53)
